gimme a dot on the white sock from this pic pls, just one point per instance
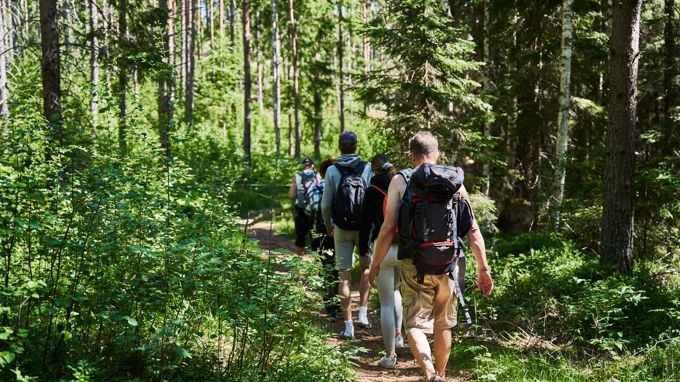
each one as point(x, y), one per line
point(363, 313)
point(349, 328)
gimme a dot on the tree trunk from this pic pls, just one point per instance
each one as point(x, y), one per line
point(669, 74)
point(165, 84)
point(184, 48)
point(276, 91)
point(367, 44)
point(94, 63)
point(51, 75)
point(122, 80)
point(221, 7)
point(563, 117)
point(211, 11)
point(617, 221)
point(4, 109)
point(258, 58)
point(486, 169)
point(296, 75)
point(232, 36)
point(246, 81)
point(318, 116)
point(341, 63)
point(191, 62)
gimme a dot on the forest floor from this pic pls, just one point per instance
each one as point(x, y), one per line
point(407, 370)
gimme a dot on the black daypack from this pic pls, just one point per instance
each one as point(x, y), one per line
point(428, 218)
point(349, 197)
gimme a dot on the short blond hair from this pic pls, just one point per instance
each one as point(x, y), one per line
point(424, 144)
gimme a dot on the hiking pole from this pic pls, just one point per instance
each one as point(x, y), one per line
point(461, 298)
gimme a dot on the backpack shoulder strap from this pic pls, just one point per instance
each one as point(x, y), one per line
point(406, 174)
point(380, 190)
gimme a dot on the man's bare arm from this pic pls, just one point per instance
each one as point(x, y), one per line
point(386, 235)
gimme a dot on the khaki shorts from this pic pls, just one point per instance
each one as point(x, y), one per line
point(430, 305)
point(345, 242)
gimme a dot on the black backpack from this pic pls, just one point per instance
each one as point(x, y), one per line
point(307, 181)
point(428, 218)
point(349, 197)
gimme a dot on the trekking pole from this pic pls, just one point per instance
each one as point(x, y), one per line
point(461, 298)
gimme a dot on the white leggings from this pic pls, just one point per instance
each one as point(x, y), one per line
point(388, 281)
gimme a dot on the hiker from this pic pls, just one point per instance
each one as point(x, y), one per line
point(324, 246)
point(388, 280)
point(303, 181)
point(346, 181)
point(418, 200)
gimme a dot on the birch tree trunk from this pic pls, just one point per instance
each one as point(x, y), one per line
point(563, 117)
point(669, 74)
point(51, 73)
point(122, 80)
point(276, 91)
point(617, 220)
point(246, 82)
point(191, 62)
point(165, 84)
point(211, 10)
point(341, 63)
point(4, 109)
point(296, 75)
point(94, 62)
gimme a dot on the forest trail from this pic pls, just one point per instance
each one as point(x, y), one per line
point(407, 370)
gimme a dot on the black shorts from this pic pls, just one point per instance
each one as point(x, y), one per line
point(302, 227)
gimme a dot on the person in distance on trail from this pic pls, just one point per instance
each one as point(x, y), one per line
point(303, 182)
point(346, 181)
point(372, 217)
point(417, 202)
point(325, 247)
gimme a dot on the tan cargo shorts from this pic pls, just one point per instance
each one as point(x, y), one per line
point(345, 242)
point(430, 305)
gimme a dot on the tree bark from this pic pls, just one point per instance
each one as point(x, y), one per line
point(341, 63)
point(367, 44)
point(258, 59)
point(486, 169)
point(276, 91)
point(563, 117)
point(184, 47)
point(211, 10)
point(318, 116)
point(232, 36)
point(94, 62)
point(617, 221)
point(191, 62)
point(221, 7)
point(296, 76)
point(4, 109)
point(669, 74)
point(122, 79)
point(51, 75)
point(246, 82)
point(165, 83)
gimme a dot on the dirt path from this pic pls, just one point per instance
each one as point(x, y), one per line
point(368, 370)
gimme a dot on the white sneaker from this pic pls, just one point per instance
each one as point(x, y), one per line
point(388, 362)
point(399, 342)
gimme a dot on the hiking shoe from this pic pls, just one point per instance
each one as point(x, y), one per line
point(399, 342)
point(388, 362)
point(436, 378)
point(345, 336)
point(363, 323)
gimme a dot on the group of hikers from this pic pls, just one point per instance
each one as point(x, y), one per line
point(408, 227)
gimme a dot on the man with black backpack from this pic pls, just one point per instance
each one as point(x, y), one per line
point(304, 195)
point(345, 183)
point(428, 208)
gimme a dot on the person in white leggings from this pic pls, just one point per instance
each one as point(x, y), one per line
point(388, 282)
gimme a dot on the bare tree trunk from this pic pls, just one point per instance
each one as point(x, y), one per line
point(563, 118)
point(26, 12)
point(246, 81)
point(341, 63)
point(618, 204)
point(318, 116)
point(191, 62)
point(122, 80)
point(221, 7)
point(486, 170)
point(197, 27)
point(367, 43)
point(4, 109)
point(94, 63)
point(232, 36)
point(165, 84)
point(51, 73)
point(296, 75)
point(184, 48)
point(669, 74)
point(211, 11)
point(276, 91)
point(258, 58)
